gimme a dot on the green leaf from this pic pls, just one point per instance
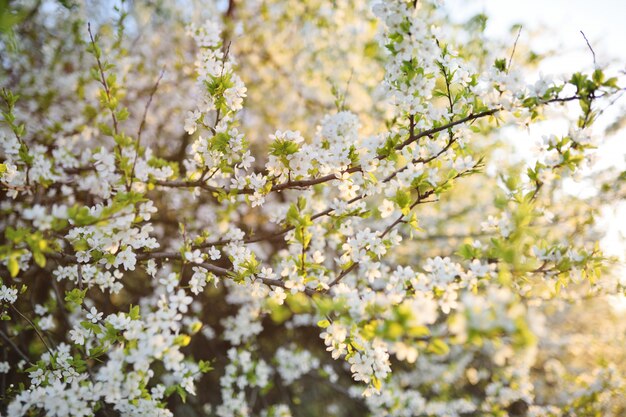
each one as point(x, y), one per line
point(75, 296)
point(182, 340)
point(376, 383)
point(500, 64)
point(393, 330)
point(195, 327)
point(323, 324)
point(598, 76)
point(418, 331)
point(182, 393)
point(282, 147)
point(403, 199)
point(40, 259)
point(468, 251)
point(169, 390)
point(105, 129)
point(293, 215)
point(133, 313)
point(14, 266)
point(438, 347)
point(97, 351)
point(279, 313)
point(205, 366)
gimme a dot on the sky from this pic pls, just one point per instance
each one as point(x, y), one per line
point(602, 21)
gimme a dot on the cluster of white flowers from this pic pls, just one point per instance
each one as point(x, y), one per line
point(292, 364)
point(410, 42)
point(335, 337)
point(8, 295)
point(371, 365)
point(157, 336)
point(235, 381)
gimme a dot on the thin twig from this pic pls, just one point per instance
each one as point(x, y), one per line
point(147, 107)
point(519, 32)
point(14, 346)
point(34, 328)
point(343, 274)
point(595, 65)
point(345, 91)
point(143, 122)
point(103, 80)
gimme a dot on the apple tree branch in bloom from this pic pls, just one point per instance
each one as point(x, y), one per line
point(295, 208)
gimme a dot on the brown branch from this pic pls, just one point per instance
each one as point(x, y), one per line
point(434, 130)
point(357, 168)
point(342, 275)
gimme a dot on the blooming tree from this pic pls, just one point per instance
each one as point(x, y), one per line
point(287, 207)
